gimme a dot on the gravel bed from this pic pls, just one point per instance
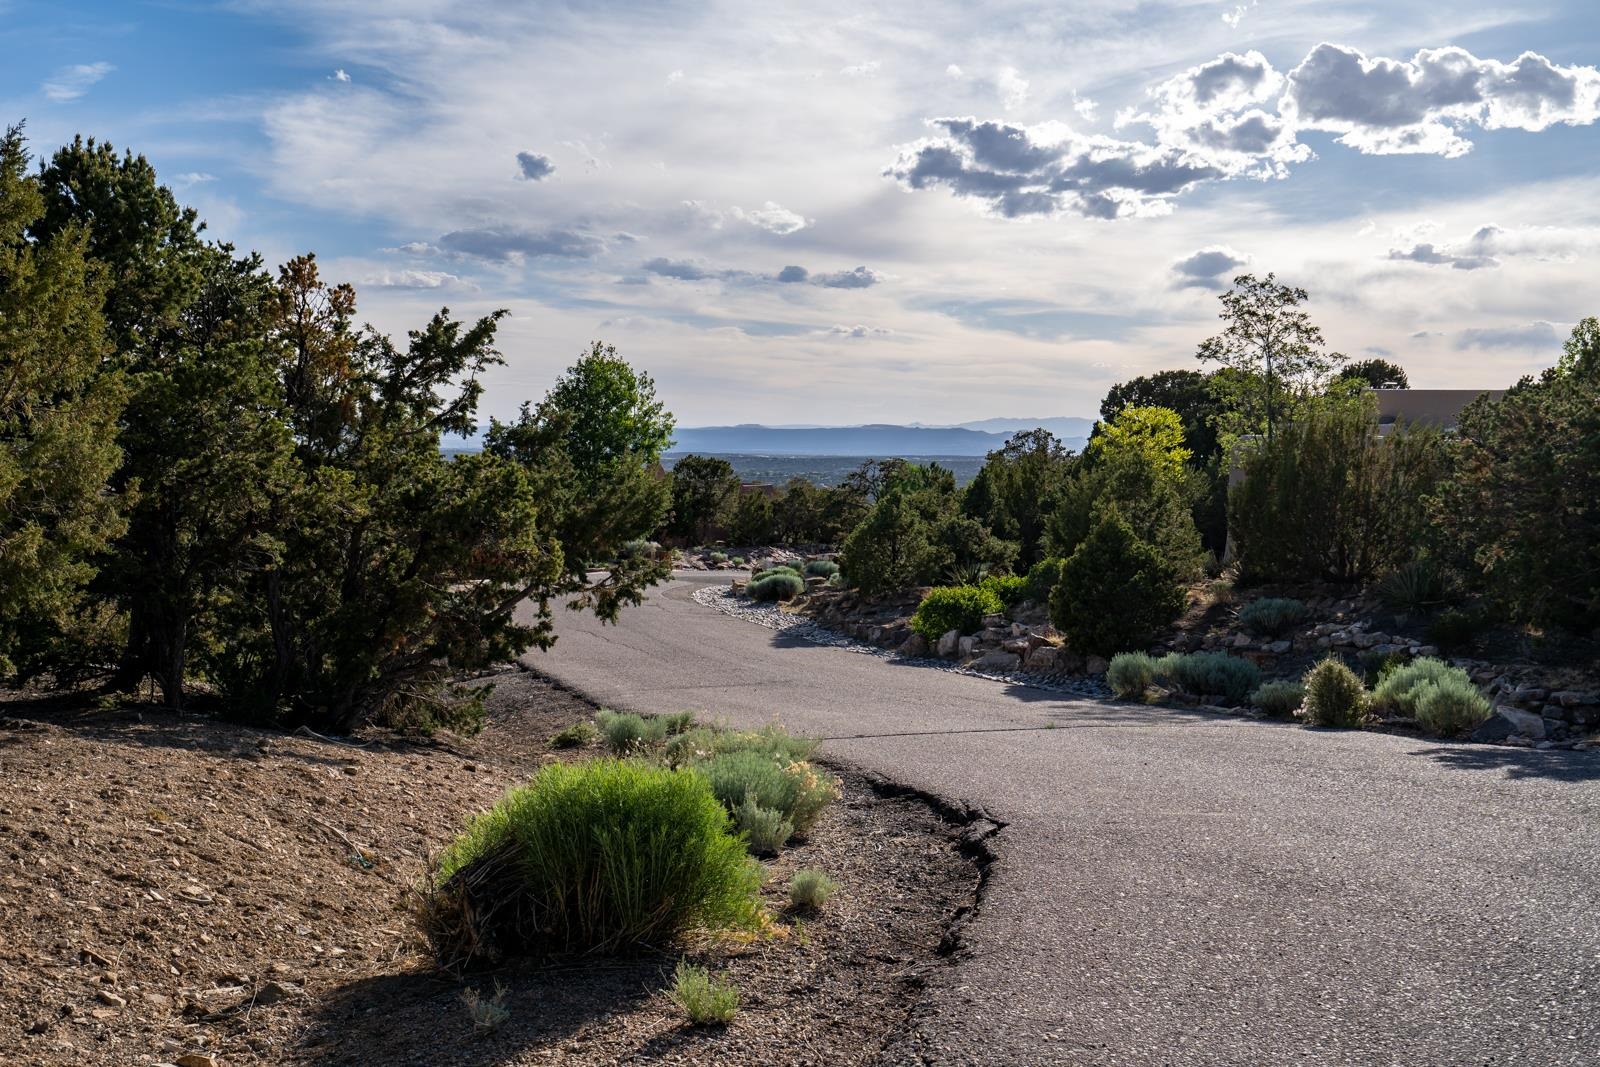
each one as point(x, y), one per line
point(775, 618)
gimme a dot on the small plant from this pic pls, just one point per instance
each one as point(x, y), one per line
point(487, 1014)
point(704, 1000)
point(766, 831)
point(1201, 674)
point(1011, 589)
point(1334, 695)
point(1440, 697)
point(738, 561)
point(966, 573)
point(1272, 616)
point(1454, 630)
point(821, 568)
point(577, 735)
point(1042, 577)
point(1375, 666)
point(810, 889)
point(638, 549)
point(1279, 699)
point(836, 582)
point(776, 585)
point(1415, 588)
point(628, 734)
point(1131, 674)
point(774, 568)
point(718, 557)
point(954, 607)
point(795, 789)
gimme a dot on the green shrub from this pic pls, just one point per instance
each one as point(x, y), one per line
point(638, 548)
point(592, 857)
point(765, 830)
point(704, 1000)
point(1272, 616)
point(1334, 695)
point(1441, 697)
point(718, 557)
point(1414, 588)
point(628, 734)
point(1042, 577)
point(954, 607)
point(1131, 674)
point(702, 743)
point(575, 736)
point(793, 788)
point(1278, 699)
point(836, 582)
point(1203, 674)
point(1454, 630)
point(810, 889)
point(969, 573)
point(737, 561)
point(1115, 591)
point(1011, 589)
point(821, 568)
point(781, 585)
point(774, 568)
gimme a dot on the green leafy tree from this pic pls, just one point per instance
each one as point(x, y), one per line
point(1272, 348)
point(58, 423)
point(1116, 591)
point(1522, 508)
point(915, 533)
point(1016, 489)
point(703, 487)
point(1377, 374)
point(1186, 392)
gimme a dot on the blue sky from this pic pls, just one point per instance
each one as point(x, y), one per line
point(848, 212)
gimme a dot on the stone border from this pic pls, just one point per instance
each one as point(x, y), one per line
point(774, 618)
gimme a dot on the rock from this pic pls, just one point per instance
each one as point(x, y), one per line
point(1568, 698)
point(916, 647)
point(1042, 658)
point(1096, 665)
point(1361, 640)
point(949, 643)
point(273, 992)
point(993, 635)
point(111, 999)
point(1019, 647)
point(965, 646)
point(1018, 630)
point(994, 622)
point(1241, 641)
point(996, 661)
point(1528, 694)
point(195, 1059)
point(1278, 648)
point(1508, 722)
point(1429, 651)
point(1068, 660)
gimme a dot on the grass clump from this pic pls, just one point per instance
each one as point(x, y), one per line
point(765, 830)
point(1279, 699)
point(628, 734)
point(704, 1000)
point(639, 548)
point(810, 889)
point(717, 557)
point(597, 857)
point(1441, 697)
point(1131, 674)
point(775, 568)
point(577, 735)
point(1202, 674)
point(1334, 695)
point(776, 585)
point(1272, 616)
point(954, 607)
point(821, 568)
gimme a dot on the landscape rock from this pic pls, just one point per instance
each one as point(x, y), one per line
point(1042, 658)
point(965, 646)
point(994, 622)
point(1096, 665)
point(996, 661)
point(949, 644)
point(1278, 648)
point(915, 646)
point(1508, 722)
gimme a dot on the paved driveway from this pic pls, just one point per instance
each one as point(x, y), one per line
point(1178, 889)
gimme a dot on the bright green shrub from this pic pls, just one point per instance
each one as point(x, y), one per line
point(704, 1000)
point(765, 830)
point(780, 585)
point(1441, 697)
point(1010, 588)
point(1202, 674)
point(821, 568)
point(1115, 591)
point(1131, 674)
point(1279, 699)
point(1272, 616)
point(1334, 695)
point(954, 607)
point(1042, 577)
point(810, 889)
point(599, 856)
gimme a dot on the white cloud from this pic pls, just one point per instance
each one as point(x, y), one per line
point(855, 332)
point(1013, 88)
point(340, 75)
point(70, 83)
point(413, 279)
point(861, 70)
point(774, 218)
point(191, 178)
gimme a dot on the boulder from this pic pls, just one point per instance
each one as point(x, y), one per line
point(965, 646)
point(1278, 648)
point(1241, 641)
point(1042, 659)
point(996, 661)
point(994, 622)
point(1020, 646)
point(1096, 665)
point(915, 647)
point(1507, 722)
point(949, 644)
point(1528, 694)
point(1068, 660)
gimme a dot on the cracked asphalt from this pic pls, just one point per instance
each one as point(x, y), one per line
point(1172, 888)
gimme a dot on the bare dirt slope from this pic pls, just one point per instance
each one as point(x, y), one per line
point(175, 886)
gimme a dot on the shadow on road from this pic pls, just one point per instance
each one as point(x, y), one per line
point(1557, 765)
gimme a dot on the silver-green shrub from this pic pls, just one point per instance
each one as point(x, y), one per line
point(1130, 674)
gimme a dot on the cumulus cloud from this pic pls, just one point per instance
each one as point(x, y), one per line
point(689, 271)
point(681, 269)
point(1012, 87)
point(413, 279)
point(792, 273)
point(1208, 268)
point(1489, 245)
point(1430, 254)
point(856, 278)
point(70, 83)
point(855, 332)
point(1237, 117)
point(535, 167)
point(514, 244)
point(1533, 335)
point(774, 218)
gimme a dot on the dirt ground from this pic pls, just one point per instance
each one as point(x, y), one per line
point(173, 888)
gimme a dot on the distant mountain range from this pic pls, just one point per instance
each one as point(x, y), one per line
point(967, 439)
point(883, 440)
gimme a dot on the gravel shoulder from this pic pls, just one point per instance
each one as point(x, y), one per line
point(176, 886)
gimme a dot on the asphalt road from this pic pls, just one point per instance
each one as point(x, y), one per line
point(1174, 888)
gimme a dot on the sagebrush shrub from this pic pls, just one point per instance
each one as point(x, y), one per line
point(1279, 699)
point(1272, 616)
point(704, 1000)
point(1441, 697)
point(765, 830)
point(640, 547)
point(954, 607)
point(627, 734)
point(821, 568)
point(598, 856)
point(774, 568)
point(810, 889)
point(702, 742)
point(718, 557)
point(1334, 695)
point(794, 789)
point(780, 585)
point(1202, 674)
point(1130, 674)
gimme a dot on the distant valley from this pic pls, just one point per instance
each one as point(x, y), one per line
point(880, 440)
